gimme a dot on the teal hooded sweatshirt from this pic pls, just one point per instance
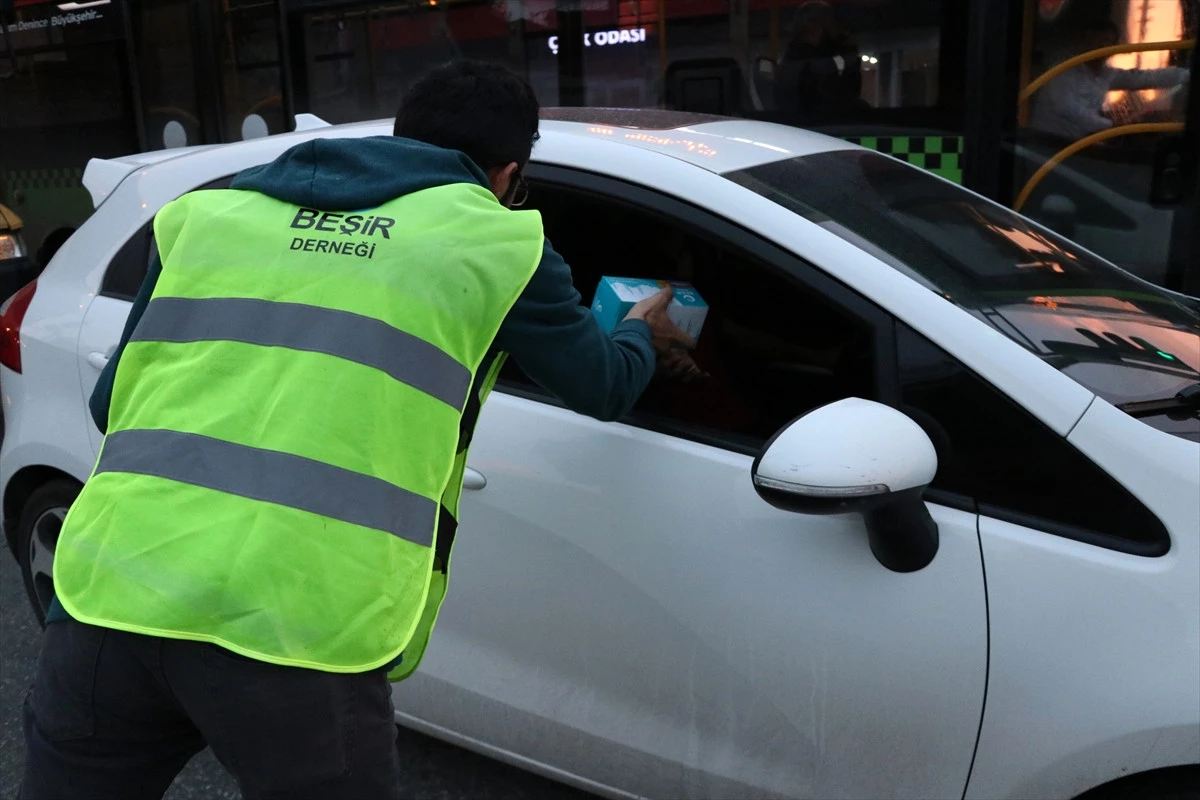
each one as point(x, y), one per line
point(555, 340)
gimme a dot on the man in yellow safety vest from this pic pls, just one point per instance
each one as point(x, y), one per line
point(265, 538)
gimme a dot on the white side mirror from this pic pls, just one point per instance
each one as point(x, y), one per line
point(857, 456)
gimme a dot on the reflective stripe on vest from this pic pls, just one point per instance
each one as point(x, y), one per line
point(286, 423)
point(302, 327)
point(279, 478)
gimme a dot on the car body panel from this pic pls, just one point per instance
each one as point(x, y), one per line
point(1095, 654)
point(105, 316)
point(713, 645)
point(47, 429)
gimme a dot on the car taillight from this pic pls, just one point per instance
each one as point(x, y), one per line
point(12, 313)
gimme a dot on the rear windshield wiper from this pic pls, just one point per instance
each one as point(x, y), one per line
point(1186, 399)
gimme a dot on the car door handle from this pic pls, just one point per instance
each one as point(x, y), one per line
point(473, 479)
point(97, 360)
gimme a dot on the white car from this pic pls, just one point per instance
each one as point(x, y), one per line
point(970, 570)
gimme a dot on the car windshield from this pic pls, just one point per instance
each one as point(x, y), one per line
point(1119, 336)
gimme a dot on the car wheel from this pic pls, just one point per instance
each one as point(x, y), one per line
point(1135, 793)
point(37, 536)
point(1172, 783)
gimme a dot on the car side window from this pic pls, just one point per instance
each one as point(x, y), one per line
point(774, 347)
point(128, 268)
point(994, 453)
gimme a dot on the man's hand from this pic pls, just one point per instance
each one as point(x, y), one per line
point(670, 343)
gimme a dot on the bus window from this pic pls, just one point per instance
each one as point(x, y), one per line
point(357, 62)
point(1102, 112)
point(886, 74)
point(61, 73)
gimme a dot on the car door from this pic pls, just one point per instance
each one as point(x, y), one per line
point(627, 611)
point(105, 318)
point(104, 322)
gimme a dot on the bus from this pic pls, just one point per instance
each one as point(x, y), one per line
point(1082, 114)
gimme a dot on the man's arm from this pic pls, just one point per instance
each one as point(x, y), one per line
point(561, 347)
point(1148, 78)
point(102, 394)
point(1084, 120)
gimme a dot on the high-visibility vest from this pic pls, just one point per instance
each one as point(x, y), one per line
point(289, 421)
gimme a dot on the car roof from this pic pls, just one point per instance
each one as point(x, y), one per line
point(658, 119)
point(714, 143)
point(718, 144)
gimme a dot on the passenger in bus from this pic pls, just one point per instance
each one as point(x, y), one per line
point(1071, 106)
point(820, 74)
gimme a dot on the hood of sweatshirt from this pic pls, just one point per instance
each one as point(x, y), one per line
point(354, 174)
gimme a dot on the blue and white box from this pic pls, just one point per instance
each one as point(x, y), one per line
point(615, 296)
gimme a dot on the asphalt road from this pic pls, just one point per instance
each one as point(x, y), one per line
point(432, 769)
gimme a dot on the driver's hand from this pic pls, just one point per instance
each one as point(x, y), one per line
point(680, 365)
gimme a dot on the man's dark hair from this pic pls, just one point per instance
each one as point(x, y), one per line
point(485, 110)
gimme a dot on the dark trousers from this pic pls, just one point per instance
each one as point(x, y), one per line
point(117, 715)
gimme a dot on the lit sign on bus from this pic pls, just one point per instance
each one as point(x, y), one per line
point(77, 13)
point(604, 38)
